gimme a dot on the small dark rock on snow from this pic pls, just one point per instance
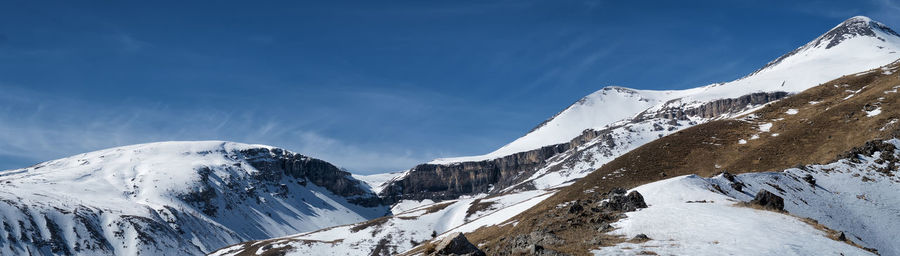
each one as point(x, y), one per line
point(728, 176)
point(810, 179)
point(640, 238)
point(738, 186)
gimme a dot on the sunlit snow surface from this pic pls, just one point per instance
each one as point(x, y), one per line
point(873, 112)
point(866, 209)
point(719, 228)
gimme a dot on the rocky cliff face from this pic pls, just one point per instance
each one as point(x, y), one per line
point(442, 182)
point(716, 108)
point(275, 163)
point(584, 153)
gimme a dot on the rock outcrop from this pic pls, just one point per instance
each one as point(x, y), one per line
point(716, 108)
point(443, 182)
point(456, 244)
point(768, 200)
point(869, 149)
point(275, 163)
point(617, 200)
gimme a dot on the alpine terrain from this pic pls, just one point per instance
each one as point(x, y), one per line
point(557, 190)
point(800, 157)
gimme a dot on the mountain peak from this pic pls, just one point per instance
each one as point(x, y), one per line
point(861, 27)
point(853, 27)
point(858, 19)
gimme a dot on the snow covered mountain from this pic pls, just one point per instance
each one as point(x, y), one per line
point(175, 198)
point(855, 45)
point(615, 120)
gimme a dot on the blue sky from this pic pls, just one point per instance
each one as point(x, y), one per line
point(369, 85)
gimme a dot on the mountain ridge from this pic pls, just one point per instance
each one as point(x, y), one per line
point(174, 197)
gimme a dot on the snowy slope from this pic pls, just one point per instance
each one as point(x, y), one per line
point(622, 137)
point(717, 228)
point(401, 232)
point(177, 198)
point(857, 196)
point(859, 44)
point(600, 108)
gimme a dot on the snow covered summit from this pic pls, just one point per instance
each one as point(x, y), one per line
point(857, 44)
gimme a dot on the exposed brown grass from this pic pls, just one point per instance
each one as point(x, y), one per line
point(758, 207)
point(373, 222)
point(437, 207)
point(429, 248)
point(407, 217)
point(478, 206)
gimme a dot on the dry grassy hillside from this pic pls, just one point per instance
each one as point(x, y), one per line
point(815, 126)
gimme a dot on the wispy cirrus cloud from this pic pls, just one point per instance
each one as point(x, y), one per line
point(129, 43)
point(38, 127)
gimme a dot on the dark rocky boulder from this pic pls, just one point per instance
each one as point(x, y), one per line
point(457, 244)
point(533, 244)
point(768, 200)
point(617, 200)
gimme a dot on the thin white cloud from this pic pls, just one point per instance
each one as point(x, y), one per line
point(352, 157)
point(41, 127)
point(129, 43)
